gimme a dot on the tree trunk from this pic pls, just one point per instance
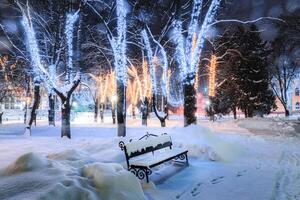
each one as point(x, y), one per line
point(96, 110)
point(234, 112)
point(27, 100)
point(133, 111)
point(162, 119)
point(121, 108)
point(113, 114)
point(66, 109)
point(145, 105)
point(1, 114)
point(65, 118)
point(51, 111)
point(190, 108)
point(287, 112)
point(163, 123)
point(250, 113)
point(31, 112)
point(246, 114)
point(102, 112)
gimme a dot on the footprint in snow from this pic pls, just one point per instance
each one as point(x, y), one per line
point(217, 180)
point(194, 191)
point(241, 173)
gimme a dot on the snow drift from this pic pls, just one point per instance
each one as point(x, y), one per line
point(113, 182)
point(203, 144)
point(27, 162)
point(67, 175)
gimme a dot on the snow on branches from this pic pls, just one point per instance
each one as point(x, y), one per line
point(70, 22)
point(188, 50)
point(118, 44)
point(40, 73)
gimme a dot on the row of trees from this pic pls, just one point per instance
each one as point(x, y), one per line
point(120, 37)
point(252, 73)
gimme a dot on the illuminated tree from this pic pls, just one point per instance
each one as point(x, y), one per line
point(42, 75)
point(189, 49)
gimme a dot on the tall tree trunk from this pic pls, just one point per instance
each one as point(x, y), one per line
point(96, 110)
point(102, 112)
point(31, 111)
point(190, 108)
point(51, 111)
point(234, 112)
point(1, 114)
point(286, 111)
point(145, 111)
point(27, 99)
point(121, 108)
point(162, 119)
point(113, 112)
point(133, 111)
point(66, 109)
point(65, 118)
point(250, 113)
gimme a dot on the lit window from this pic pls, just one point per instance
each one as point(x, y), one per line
point(297, 92)
point(297, 107)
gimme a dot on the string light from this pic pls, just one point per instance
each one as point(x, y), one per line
point(212, 76)
point(70, 22)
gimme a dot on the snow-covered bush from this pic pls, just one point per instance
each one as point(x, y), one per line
point(113, 182)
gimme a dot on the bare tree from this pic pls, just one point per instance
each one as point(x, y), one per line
point(285, 60)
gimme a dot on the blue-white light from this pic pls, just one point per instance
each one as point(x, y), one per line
point(69, 32)
point(150, 59)
point(119, 44)
point(187, 57)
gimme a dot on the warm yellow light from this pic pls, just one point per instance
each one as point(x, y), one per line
point(212, 76)
point(194, 43)
point(114, 98)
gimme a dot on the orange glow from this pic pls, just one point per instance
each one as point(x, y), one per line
point(194, 43)
point(212, 76)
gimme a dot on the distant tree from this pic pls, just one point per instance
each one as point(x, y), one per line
point(243, 75)
point(256, 97)
point(12, 82)
point(285, 58)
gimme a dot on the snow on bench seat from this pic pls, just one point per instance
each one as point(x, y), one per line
point(138, 146)
point(149, 159)
point(149, 151)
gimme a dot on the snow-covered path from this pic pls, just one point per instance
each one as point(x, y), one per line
point(240, 166)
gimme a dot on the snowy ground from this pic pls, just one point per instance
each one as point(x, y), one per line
point(243, 159)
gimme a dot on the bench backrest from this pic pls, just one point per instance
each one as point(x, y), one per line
point(146, 144)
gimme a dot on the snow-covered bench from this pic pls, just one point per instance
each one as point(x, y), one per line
point(149, 151)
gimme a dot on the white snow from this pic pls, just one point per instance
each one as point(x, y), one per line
point(113, 182)
point(231, 159)
point(151, 141)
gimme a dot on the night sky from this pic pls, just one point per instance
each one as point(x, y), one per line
point(232, 9)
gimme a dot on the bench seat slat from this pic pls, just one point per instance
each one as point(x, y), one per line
point(148, 160)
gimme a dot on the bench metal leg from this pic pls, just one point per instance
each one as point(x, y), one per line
point(147, 177)
point(186, 158)
point(141, 173)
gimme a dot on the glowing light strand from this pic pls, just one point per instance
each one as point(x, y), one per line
point(192, 29)
point(40, 73)
point(212, 76)
point(164, 79)
point(209, 18)
point(187, 52)
point(150, 59)
point(69, 32)
point(180, 53)
point(119, 44)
